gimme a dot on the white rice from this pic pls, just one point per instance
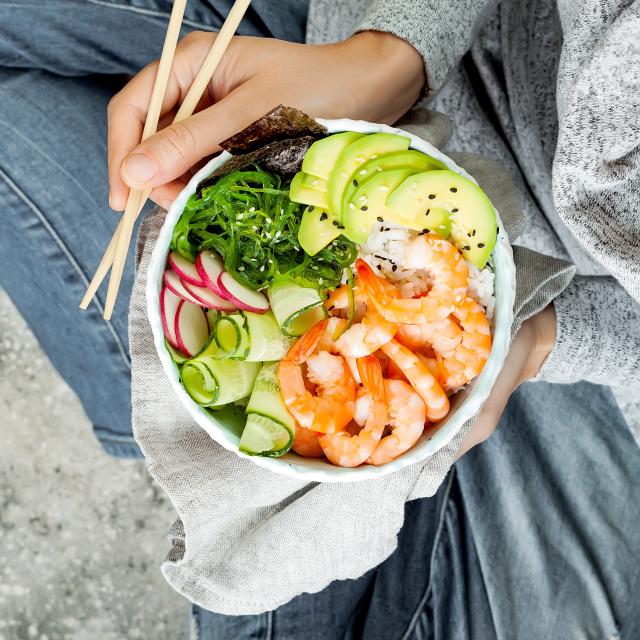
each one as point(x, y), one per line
point(385, 248)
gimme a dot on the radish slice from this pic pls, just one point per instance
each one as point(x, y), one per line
point(174, 284)
point(243, 297)
point(168, 307)
point(209, 266)
point(191, 327)
point(208, 298)
point(185, 269)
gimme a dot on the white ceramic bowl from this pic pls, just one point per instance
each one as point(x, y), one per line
point(226, 426)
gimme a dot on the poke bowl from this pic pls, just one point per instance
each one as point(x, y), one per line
point(289, 297)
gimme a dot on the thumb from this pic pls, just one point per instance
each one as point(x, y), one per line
point(172, 151)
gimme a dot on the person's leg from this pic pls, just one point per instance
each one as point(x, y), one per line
point(540, 535)
point(378, 606)
point(533, 535)
point(53, 181)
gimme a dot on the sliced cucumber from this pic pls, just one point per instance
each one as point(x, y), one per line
point(232, 337)
point(212, 318)
point(266, 341)
point(270, 427)
point(295, 308)
point(213, 382)
point(255, 337)
point(176, 355)
point(265, 437)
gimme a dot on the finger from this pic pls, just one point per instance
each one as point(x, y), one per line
point(127, 110)
point(172, 151)
point(165, 194)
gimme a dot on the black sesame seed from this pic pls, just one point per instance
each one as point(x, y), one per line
point(388, 229)
point(355, 183)
point(425, 230)
point(394, 268)
point(469, 233)
point(364, 208)
point(467, 248)
point(497, 229)
point(427, 212)
point(432, 196)
point(340, 227)
point(473, 233)
point(335, 223)
point(454, 211)
point(453, 190)
point(380, 219)
point(323, 216)
point(379, 267)
point(332, 307)
point(480, 245)
point(381, 228)
point(311, 208)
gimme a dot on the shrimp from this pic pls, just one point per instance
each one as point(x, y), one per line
point(447, 269)
point(331, 408)
point(366, 337)
point(407, 416)
point(467, 359)
point(420, 378)
point(461, 350)
point(305, 443)
point(346, 450)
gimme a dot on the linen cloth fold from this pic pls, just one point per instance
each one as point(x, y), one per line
point(248, 540)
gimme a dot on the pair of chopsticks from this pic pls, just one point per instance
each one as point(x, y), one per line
point(115, 255)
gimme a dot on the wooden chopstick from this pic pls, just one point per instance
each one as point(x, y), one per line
point(117, 250)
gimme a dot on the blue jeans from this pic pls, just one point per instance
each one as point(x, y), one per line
point(60, 63)
point(533, 535)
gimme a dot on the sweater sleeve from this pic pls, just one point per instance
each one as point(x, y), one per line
point(441, 31)
point(598, 335)
point(596, 171)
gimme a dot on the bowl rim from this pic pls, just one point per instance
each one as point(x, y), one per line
point(469, 401)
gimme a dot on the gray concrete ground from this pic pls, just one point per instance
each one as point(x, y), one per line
point(81, 534)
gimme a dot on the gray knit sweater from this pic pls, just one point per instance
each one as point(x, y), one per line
point(551, 89)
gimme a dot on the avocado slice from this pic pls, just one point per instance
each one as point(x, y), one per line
point(319, 184)
point(356, 154)
point(473, 219)
point(367, 206)
point(317, 230)
point(300, 191)
point(322, 154)
point(415, 160)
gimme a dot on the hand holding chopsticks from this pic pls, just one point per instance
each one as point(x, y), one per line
point(116, 252)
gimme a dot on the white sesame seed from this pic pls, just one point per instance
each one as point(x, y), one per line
point(352, 206)
point(442, 226)
point(252, 209)
point(344, 174)
point(268, 220)
point(363, 172)
point(383, 187)
point(360, 159)
point(240, 268)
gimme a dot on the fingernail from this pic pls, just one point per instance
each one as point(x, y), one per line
point(139, 168)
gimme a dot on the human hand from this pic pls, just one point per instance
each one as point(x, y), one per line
point(529, 349)
point(371, 76)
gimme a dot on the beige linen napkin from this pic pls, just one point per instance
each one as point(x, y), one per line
point(249, 540)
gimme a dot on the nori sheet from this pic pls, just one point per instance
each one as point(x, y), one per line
point(283, 157)
point(280, 123)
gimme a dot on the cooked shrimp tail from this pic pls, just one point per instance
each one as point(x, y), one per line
point(420, 378)
point(346, 450)
point(407, 416)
